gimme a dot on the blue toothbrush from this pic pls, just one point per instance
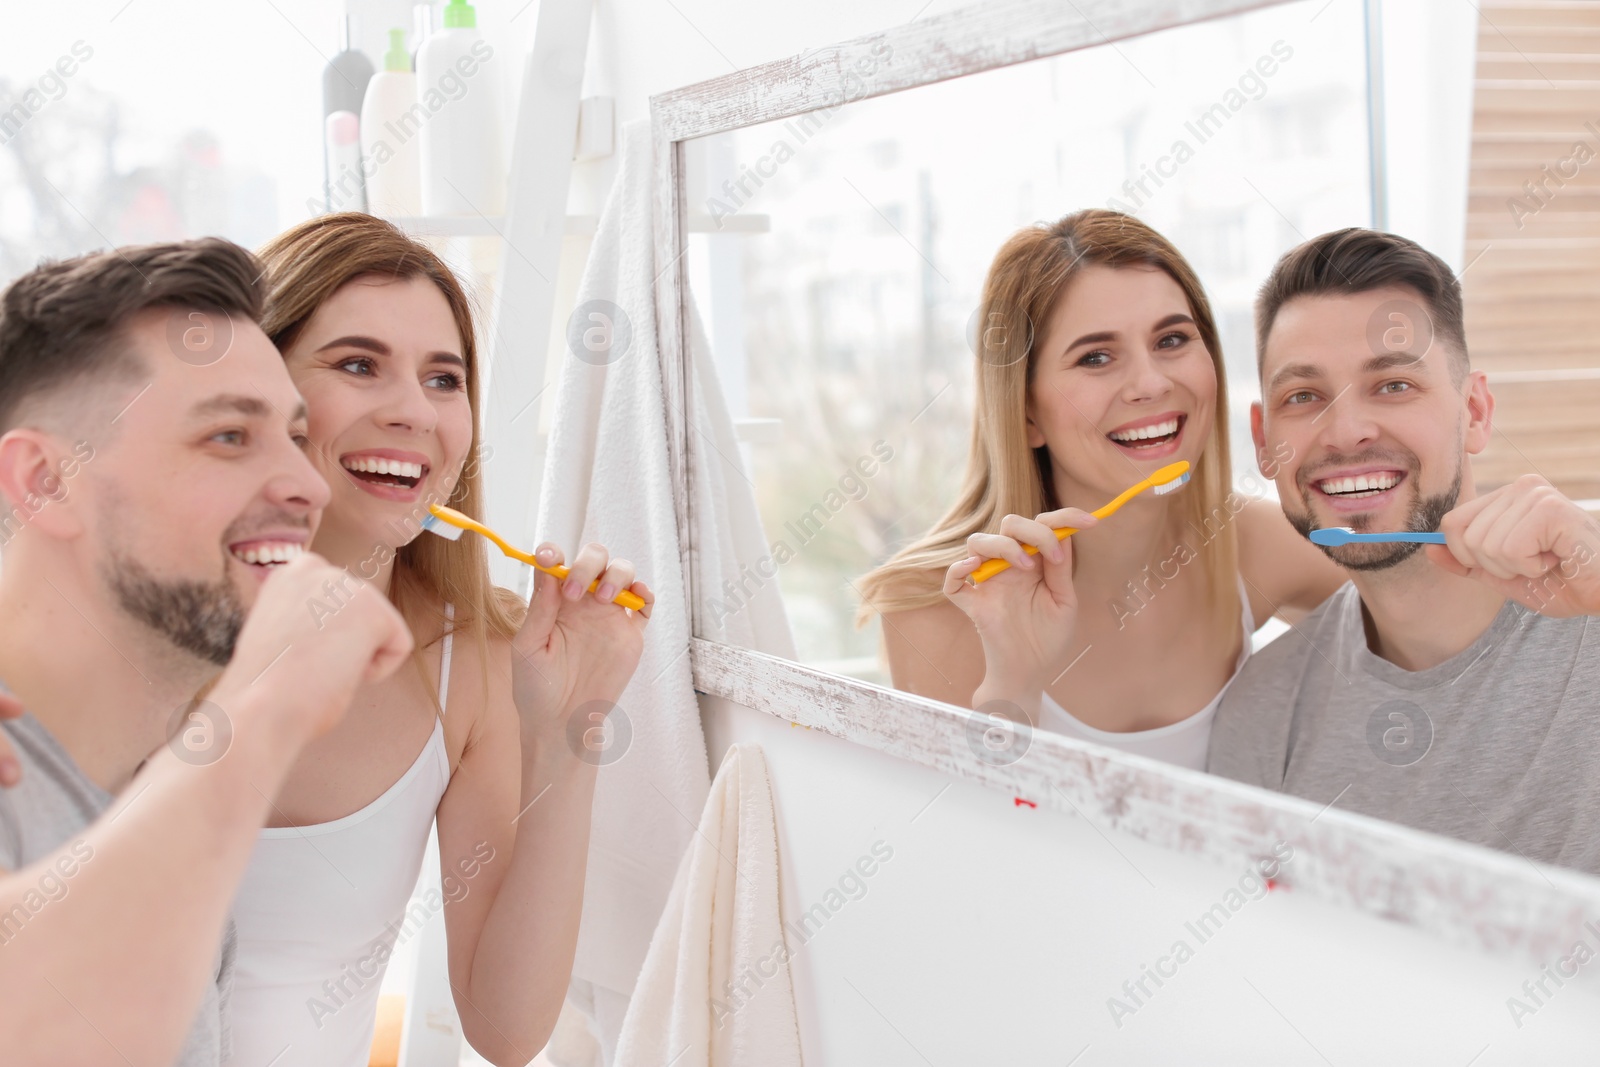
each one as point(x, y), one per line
point(1343, 535)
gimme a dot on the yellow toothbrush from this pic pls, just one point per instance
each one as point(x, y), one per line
point(450, 524)
point(1165, 480)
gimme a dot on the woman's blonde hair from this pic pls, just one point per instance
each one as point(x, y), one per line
point(1004, 476)
point(305, 266)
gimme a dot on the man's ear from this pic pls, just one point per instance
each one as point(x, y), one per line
point(1480, 412)
point(1258, 434)
point(31, 485)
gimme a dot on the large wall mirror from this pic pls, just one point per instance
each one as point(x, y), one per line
point(825, 226)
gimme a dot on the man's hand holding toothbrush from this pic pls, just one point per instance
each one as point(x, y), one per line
point(1529, 543)
point(295, 671)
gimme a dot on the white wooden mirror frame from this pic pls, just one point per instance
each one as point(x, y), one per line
point(1472, 896)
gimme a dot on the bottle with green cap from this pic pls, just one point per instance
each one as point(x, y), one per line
point(458, 82)
point(391, 135)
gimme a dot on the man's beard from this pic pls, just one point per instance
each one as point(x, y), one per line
point(1424, 517)
point(202, 618)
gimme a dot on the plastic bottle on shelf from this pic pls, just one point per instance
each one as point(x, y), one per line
point(423, 23)
point(463, 169)
point(344, 83)
point(342, 146)
point(391, 135)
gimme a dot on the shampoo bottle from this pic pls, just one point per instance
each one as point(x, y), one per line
point(463, 172)
point(391, 135)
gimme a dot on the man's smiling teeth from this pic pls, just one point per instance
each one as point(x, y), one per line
point(1160, 429)
point(269, 552)
point(384, 466)
point(1360, 484)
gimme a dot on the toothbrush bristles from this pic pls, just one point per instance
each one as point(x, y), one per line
point(1172, 485)
point(434, 524)
point(1332, 536)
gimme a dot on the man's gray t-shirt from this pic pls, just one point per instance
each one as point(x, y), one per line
point(53, 804)
point(1499, 745)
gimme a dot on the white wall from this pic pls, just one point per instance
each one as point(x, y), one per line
point(997, 933)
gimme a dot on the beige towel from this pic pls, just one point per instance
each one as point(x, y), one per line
point(715, 990)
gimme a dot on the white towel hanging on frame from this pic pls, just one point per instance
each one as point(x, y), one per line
point(607, 479)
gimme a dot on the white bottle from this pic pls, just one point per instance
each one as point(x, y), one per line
point(462, 168)
point(391, 135)
point(342, 144)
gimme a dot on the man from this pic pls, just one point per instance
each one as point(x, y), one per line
point(149, 438)
point(1453, 688)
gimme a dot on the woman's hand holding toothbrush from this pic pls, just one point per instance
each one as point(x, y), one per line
point(576, 650)
point(1026, 615)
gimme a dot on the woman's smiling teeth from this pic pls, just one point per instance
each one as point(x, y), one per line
point(268, 553)
point(1154, 433)
point(393, 467)
point(386, 474)
point(1360, 485)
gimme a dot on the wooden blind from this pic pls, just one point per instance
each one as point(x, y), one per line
point(1532, 265)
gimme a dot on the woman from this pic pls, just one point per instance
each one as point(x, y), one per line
point(1098, 364)
point(378, 337)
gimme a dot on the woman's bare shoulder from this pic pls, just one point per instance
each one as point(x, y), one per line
point(934, 652)
point(476, 695)
point(1289, 574)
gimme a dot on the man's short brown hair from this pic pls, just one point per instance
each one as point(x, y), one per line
point(1355, 260)
point(61, 324)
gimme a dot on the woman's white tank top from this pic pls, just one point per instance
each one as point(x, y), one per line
point(319, 912)
point(1185, 742)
